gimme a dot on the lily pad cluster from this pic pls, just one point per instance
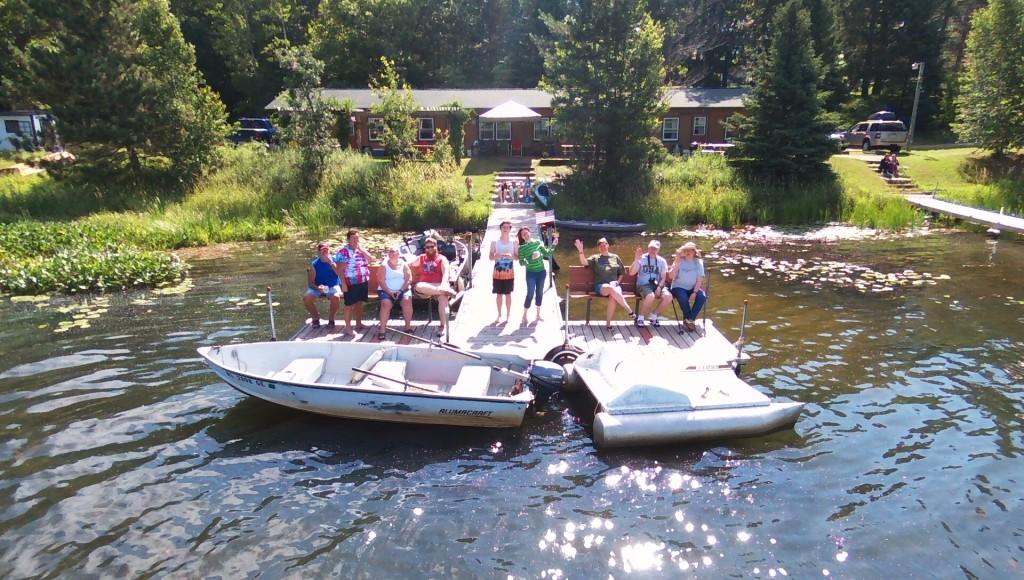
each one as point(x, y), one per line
point(822, 273)
point(259, 300)
point(83, 314)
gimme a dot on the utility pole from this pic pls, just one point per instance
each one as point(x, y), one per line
point(919, 67)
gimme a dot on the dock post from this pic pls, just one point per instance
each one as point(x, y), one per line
point(270, 304)
point(707, 293)
point(470, 258)
point(742, 338)
point(565, 322)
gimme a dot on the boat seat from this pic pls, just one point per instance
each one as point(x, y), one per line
point(301, 370)
point(368, 364)
point(473, 381)
point(394, 369)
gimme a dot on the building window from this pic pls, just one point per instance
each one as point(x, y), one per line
point(376, 127)
point(15, 127)
point(542, 129)
point(725, 126)
point(487, 130)
point(700, 126)
point(503, 131)
point(426, 132)
point(670, 129)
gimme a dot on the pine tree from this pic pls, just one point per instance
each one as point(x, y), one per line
point(782, 138)
point(123, 82)
point(991, 100)
point(825, 39)
point(605, 72)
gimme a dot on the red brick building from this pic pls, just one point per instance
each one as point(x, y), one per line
point(693, 116)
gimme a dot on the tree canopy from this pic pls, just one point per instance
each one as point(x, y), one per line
point(605, 71)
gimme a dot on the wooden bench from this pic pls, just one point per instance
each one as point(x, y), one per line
point(581, 285)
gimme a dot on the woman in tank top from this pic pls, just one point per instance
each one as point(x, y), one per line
point(503, 252)
point(394, 287)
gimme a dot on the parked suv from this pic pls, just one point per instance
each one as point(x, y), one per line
point(868, 135)
point(255, 129)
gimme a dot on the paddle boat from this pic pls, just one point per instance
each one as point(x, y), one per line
point(601, 225)
point(432, 383)
point(655, 395)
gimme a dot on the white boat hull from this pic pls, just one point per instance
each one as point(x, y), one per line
point(350, 401)
point(682, 426)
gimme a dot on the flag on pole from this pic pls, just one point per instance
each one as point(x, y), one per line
point(545, 217)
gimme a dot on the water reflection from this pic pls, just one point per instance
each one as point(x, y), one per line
point(122, 455)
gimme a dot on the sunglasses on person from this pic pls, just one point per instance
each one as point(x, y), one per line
point(429, 245)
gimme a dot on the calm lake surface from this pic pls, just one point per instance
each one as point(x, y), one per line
point(123, 456)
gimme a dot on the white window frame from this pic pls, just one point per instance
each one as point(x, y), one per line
point(665, 130)
point(703, 126)
point(375, 125)
point(420, 128)
point(488, 133)
point(498, 126)
point(542, 128)
point(725, 127)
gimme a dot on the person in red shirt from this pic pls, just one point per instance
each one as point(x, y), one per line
point(433, 281)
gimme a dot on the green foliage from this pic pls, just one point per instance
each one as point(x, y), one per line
point(605, 72)
point(395, 106)
point(458, 116)
point(970, 177)
point(43, 257)
point(442, 153)
point(343, 127)
point(782, 137)
point(120, 77)
point(312, 115)
point(991, 100)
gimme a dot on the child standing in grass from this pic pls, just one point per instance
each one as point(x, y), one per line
point(532, 254)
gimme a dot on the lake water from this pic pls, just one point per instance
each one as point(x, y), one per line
point(123, 456)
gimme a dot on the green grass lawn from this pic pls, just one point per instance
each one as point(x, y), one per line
point(969, 176)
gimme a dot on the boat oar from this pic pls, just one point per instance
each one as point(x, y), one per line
point(407, 384)
point(438, 344)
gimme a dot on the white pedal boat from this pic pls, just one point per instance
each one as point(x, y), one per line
point(650, 396)
point(399, 383)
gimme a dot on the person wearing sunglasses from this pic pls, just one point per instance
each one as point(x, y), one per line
point(433, 281)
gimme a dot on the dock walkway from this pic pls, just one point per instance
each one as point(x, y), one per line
point(979, 216)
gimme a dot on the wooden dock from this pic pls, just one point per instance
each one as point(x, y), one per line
point(979, 216)
point(473, 327)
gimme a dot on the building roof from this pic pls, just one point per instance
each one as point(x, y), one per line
point(436, 99)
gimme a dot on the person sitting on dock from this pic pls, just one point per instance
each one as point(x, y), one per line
point(532, 254)
point(503, 252)
point(651, 271)
point(324, 282)
point(434, 280)
point(394, 289)
point(687, 275)
point(608, 272)
point(354, 262)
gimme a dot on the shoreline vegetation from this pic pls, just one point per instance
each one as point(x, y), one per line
point(71, 235)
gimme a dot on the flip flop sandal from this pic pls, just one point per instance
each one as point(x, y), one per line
point(381, 336)
point(315, 324)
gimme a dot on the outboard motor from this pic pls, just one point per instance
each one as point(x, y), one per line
point(546, 380)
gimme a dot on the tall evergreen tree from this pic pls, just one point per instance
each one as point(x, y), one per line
point(825, 39)
point(605, 72)
point(991, 102)
point(122, 80)
point(782, 138)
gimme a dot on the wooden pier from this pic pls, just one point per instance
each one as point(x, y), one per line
point(473, 327)
point(979, 216)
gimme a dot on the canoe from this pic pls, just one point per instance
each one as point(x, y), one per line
point(397, 383)
point(601, 226)
point(656, 395)
point(542, 194)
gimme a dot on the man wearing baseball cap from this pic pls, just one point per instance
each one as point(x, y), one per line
point(651, 271)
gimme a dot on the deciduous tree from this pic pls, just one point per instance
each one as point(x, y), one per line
point(395, 105)
point(991, 101)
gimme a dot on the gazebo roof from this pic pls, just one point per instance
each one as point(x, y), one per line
point(510, 111)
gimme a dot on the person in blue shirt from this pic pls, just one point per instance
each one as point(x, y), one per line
point(324, 282)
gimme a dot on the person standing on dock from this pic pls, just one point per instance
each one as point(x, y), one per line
point(651, 271)
point(434, 280)
point(608, 272)
point(324, 282)
point(687, 275)
point(354, 264)
point(503, 252)
point(532, 254)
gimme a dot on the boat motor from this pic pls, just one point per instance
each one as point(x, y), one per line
point(546, 380)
